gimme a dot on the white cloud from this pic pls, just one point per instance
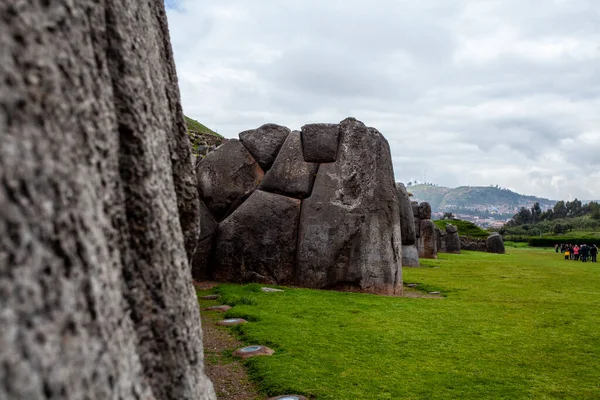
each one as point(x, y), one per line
point(467, 92)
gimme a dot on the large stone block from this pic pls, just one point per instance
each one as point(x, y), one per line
point(226, 177)
point(424, 210)
point(258, 241)
point(407, 220)
point(495, 244)
point(426, 242)
point(97, 204)
point(349, 236)
point(290, 175)
point(410, 256)
point(201, 260)
point(264, 143)
point(320, 142)
point(452, 243)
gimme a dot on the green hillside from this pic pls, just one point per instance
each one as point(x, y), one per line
point(195, 126)
point(200, 135)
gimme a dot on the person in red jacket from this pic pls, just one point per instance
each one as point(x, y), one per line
point(576, 252)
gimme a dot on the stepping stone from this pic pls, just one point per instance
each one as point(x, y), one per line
point(232, 322)
point(270, 290)
point(251, 351)
point(210, 297)
point(288, 397)
point(434, 292)
point(412, 285)
point(223, 308)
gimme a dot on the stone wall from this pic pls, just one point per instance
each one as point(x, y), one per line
point(315, 208)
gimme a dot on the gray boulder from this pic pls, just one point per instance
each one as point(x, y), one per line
point(201, 260)
point(320, 142)
point(495, 244)
point(226, 177)
point(407, 220)
point(451, 243)
point(290, 175)
point(440, 242)
point(415, 208)
point(451, 228)
point(258, 241)
point(349, 234)
point(426, 243)
point(424, 210)
point(410, 256)
point(97, 204)
point(264, 143)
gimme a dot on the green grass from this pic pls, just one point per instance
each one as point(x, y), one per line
point(465, 228)
point(196, 126)
point(525, 325)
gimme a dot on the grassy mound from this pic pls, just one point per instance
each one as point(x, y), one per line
point(518, 326)
point(465, 228)
point(195, 126)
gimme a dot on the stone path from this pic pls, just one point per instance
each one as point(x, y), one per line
point(228, 375)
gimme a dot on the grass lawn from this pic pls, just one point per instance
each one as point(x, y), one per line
point(525, 325)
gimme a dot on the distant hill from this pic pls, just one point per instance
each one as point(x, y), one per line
point(480, 201)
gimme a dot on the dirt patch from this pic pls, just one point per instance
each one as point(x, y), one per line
point(227, 374)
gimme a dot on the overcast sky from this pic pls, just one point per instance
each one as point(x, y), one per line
point(467, 92)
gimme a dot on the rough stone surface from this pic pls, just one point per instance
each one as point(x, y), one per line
point(472, 244)
point(451, 228)
point(426, 242)
point(290, 175)
point(97, 204)
point(258, 241)
point(495, 244)
point(320, 142)
point(264, 143)
point(349, 236)
point(452, 243)
point(415, 209)
point(226, 177)
point(201, 260)
point(410, 256)
point(424, 210)
point(407, 220)
point(440, 244)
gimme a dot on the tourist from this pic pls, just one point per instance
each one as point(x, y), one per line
point(556, 247)
point(576, 253)
point(594, 252)
point(567, 254)
point(584, 252)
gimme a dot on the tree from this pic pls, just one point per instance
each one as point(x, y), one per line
point(536, 212)
point(560, 210)
point(97, 202)
point(559, 229)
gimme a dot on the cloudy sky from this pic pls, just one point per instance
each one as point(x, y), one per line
point(467, 92)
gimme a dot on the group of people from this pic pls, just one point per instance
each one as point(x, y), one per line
point(576, 252)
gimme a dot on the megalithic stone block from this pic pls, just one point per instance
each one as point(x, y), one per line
point(349, 235)
point(264, 143)
point(407, 220)
point(290, 175)
point(226, 177)
point(320, 142)
point(257, 243)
